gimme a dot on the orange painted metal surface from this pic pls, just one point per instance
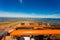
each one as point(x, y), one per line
point(33, 32)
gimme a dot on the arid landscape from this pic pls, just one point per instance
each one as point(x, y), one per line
point(13, 22)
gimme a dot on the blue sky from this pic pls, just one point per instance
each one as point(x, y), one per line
point(30, 8)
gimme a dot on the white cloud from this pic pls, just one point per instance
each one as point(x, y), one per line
point(32, 15)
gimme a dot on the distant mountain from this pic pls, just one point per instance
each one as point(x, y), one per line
point(32, 19)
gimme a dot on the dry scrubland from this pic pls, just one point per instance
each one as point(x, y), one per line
point(9, 24)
